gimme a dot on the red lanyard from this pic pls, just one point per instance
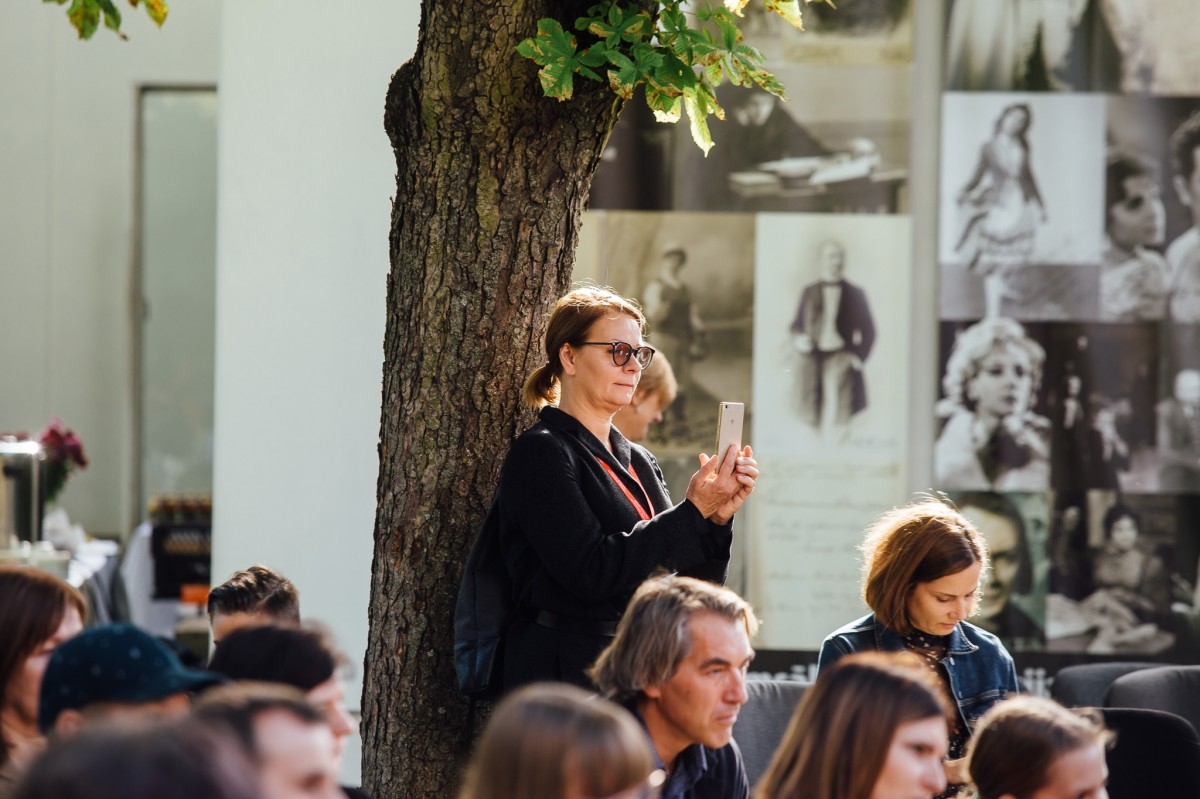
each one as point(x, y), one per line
point(645, 516)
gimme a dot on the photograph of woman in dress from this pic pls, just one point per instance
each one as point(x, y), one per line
point(1000, 206)
point(991, 437)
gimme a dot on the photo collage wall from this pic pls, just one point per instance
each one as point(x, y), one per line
point(1069, 249)
point(778, 272)
point(769, 273)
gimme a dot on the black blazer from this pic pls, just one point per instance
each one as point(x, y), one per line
point(574, 545)
point(853, 321)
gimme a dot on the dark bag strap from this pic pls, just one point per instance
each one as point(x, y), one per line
point(482, 613)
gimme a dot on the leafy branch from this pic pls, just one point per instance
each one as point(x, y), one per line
point(680, 56)
point(85, 15)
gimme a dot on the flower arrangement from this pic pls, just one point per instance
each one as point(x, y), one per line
point(64, 454)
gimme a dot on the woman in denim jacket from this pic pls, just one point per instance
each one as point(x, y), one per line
point(922, 576)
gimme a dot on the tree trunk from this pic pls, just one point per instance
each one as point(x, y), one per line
point(491, 183)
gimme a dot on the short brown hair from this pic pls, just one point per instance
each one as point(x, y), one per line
point(257, 589)
point(918, 543)
point(653, 637)
point(32, 606)
point(547, 738)
point(572, 317)
point(838, 739)
point(1019, 739)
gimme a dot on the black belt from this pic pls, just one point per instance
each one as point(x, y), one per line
point(571, 624)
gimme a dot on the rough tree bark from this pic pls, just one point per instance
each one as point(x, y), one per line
point(491, 182)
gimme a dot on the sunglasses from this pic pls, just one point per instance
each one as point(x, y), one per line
point(622, 352)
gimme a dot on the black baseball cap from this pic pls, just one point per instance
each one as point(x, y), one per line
point(113, 663)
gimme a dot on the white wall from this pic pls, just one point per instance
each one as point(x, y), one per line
point(68, 113)
point(305, 179)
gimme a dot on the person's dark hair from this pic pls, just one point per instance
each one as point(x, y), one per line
point(1001, 505)
point(257, 589)
point(572, 317)
point(32, 605)
point(1019, 739)
point(1117, 512)
point(1122, 166)
point(1022, 135)
point(174, 761)
point(653, 636)
point(1184, 142)
point(235, 706)
point(840, 733)
point(918, 543)
point(302, 657)
point(548, 738)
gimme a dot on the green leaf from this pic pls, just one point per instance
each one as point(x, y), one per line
point(626, 75)
point(84, 16)
point(112, 17)
point(665, 102)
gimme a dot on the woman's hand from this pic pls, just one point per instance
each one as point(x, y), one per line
point(719, 493)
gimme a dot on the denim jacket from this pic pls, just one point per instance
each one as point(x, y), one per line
point(981, 671)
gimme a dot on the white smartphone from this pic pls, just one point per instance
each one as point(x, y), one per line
point(729, 427)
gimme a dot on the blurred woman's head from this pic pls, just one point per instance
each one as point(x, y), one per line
point(873, 726)
point(556, 741)
point(38, 611)
point(656, 391)
point(576, 319)
point(923, 567)
point(1033, 748)
point(994, 369)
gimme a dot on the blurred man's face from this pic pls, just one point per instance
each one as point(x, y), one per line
point(833, 262)
point(296, 757)
point(757, 109)
point(1004, 548)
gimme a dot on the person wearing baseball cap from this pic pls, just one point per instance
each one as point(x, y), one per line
point(113, 673)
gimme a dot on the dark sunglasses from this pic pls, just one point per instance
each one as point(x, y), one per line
point(621, 352)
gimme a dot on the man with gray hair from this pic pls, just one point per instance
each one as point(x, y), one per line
point(678, 663)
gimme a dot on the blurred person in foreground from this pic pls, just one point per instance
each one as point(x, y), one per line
point(871, 727)
point(1033, 748)
point(38, 612)
point(557, 741)
point(180, 760)
point(288, 739)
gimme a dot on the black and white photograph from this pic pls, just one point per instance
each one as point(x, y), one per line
point(860, 33)
point(838, 144)
point(1126, 592)
point(1022, 191)
point(635, 166)
point(1178, 420)
point(1152, 218)
point(1030, 45)
point(993, 431)
point(1015, 526)
point(828, 341)
point(1102, 388)
point(1156, 45)
point(694, 277)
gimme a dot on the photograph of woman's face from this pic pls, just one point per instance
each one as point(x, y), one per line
point(1124, 534)
point(1003, 383)
point(1015, 121)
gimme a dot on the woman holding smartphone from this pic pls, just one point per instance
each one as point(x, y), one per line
point(584, 515)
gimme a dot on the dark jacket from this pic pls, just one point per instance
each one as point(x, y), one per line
point(981, 671)
point(853, 323)
point(702, 773)
point(575, 546)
